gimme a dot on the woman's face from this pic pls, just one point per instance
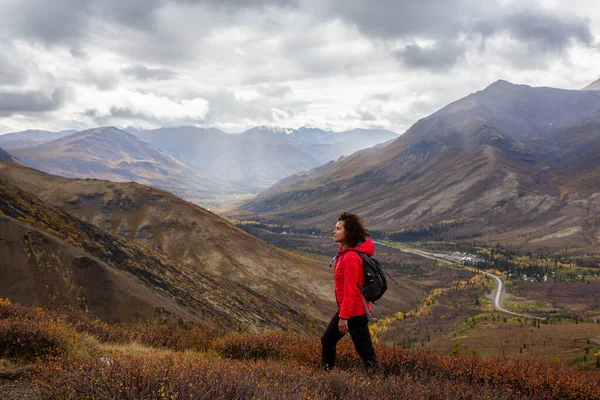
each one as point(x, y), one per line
point(339, 233)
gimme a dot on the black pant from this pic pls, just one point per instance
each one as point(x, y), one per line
point(359, 332)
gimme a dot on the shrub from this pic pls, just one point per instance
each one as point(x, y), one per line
point(277, 345)
point(28, 341)
point(268, 365)
point(184, 376)
point(178, 336)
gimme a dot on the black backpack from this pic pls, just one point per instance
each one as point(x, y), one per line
point(375, 282)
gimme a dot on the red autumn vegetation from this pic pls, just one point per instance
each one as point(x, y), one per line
point(77, 357)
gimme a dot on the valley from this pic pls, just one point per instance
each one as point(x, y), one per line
point(504, 196)
point(174, 175)
point(222, 203)
point(557, 319)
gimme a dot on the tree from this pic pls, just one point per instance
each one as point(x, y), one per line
point(456, 348)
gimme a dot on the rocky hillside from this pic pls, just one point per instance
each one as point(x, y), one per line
point(510, 162)
point(50, 258)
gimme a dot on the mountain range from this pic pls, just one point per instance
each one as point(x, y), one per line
point(260, 156)
point(509, 163)
point(112, 154)
point(30, 138)
point(195, 163)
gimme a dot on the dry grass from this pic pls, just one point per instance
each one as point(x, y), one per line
point(138, 362)
point(13, 369)
point(564, 342)
point(578, 298)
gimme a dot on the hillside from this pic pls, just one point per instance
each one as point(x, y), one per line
point(112, 154)
point(50, 258)
point(75, 357)
point(4, 156)
point(259, 156)
point(497, 164)
point(190, 234)
point(50, 272)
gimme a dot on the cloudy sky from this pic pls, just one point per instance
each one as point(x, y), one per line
point(234, 64)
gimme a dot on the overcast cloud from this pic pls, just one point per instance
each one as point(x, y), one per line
point(234, 64)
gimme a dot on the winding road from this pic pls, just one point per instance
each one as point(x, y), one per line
point(498, 292)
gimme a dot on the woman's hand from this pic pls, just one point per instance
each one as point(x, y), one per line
point(343, 326)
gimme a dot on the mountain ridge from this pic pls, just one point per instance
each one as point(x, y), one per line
point(593, 86)
point(248, 162)
point(5, 156)
point(109, 153)
point(30, 138)
point(481, 162)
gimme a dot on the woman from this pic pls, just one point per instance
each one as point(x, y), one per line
point(352, 236)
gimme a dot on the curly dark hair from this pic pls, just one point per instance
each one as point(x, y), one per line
point(356, 232)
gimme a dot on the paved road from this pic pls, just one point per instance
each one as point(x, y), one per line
point(497, 294)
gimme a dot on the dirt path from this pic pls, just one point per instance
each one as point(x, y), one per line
point(18, 389)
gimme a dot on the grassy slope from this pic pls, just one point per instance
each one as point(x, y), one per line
point(216, 300)
point(78, 357)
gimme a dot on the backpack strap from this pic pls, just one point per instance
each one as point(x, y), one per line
point(369, 315)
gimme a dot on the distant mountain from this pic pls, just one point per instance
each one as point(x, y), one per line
point(260, 156)
point(112, 154)
point(593, 86)
point(576, 167)
point(30, 138)
point(510, 162)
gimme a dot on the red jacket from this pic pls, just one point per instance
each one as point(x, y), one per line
point(348, 274)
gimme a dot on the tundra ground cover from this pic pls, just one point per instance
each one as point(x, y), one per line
point(75, 357)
